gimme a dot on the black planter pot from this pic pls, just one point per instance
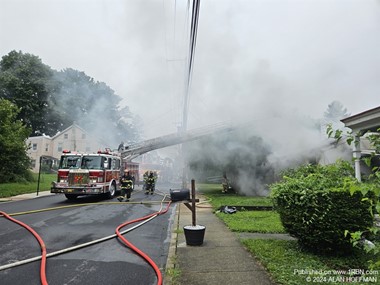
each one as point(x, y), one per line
point(194, 234)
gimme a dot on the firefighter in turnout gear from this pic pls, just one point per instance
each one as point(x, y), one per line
point(126, 182)
point(145, 177)
point(150, 183)
point(225, 184)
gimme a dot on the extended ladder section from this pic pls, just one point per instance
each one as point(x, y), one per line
point(132, 151)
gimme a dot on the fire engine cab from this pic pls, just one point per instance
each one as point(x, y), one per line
point(88, 174)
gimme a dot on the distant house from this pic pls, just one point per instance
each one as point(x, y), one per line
point(48, 148)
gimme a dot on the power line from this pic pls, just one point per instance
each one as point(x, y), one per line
point(192, 45)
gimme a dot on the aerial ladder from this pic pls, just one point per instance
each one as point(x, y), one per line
point(131, 151)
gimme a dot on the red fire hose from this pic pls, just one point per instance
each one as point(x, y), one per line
point(138, 251)
point(126, 242)
point(41, 242)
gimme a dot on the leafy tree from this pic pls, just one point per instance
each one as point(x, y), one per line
point(335, 112)
point(93, 105)
point(51, 100)
point(13, 150)
point(26, 82)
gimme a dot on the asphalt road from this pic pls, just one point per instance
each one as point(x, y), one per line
point(108, 262)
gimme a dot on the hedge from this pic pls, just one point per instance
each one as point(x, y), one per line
point(317, 204)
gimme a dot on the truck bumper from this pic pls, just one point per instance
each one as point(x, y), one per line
point(78, 190)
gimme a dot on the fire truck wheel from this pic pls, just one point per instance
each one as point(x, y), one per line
point(112, 191)
point(71, 197)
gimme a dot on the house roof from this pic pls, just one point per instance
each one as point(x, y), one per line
point(365, 121)
point(74, 125)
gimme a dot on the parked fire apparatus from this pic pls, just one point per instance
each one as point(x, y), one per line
point(88, 174)
point(98, 173)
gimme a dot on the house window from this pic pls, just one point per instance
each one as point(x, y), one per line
point(34, 146)
point(59, 147)
point(33, 163)
point(66, 136)
point(47, 147)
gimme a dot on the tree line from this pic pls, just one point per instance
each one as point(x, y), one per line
point(38, 100)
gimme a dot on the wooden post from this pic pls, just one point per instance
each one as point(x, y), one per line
point(193, 202)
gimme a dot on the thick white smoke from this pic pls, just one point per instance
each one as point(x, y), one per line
point(255, 154)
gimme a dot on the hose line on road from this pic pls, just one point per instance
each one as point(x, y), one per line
point(69, 249)
point(84, 205)
point(40, 241)
point(66, 250)
point(138, 251)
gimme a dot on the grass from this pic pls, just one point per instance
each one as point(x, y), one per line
point(218, 199)
point(243, 221)
point(283, 259)
point(253, 221)
point(13, 189)
point(285, 262)
point(172, 274)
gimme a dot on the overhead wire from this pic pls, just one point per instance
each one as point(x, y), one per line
point(192, 45)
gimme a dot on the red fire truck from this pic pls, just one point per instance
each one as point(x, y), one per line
point(88, 174)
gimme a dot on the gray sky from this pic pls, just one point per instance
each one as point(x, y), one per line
point(254, 60)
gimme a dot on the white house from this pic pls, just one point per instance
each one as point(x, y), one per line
point(49, 149)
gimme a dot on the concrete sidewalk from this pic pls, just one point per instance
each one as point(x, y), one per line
point(220, 260)
point(26, 196)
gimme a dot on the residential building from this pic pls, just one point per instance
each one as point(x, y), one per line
point(48, 149)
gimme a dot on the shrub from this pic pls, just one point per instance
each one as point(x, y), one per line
point(317, 204)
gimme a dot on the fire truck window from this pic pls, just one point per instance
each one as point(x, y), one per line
point(113, 164)
point(70, 162)
point(91, 162)
point(74, 162)
point(117, 164)
point(104, 163)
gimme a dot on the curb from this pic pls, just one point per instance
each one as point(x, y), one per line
point(26, 196)
point(171, 260)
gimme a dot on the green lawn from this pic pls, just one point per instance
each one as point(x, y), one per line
point(253, 221)
point(13, 189)
point(285, 262)
point(242, 221)
point(218, 199)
